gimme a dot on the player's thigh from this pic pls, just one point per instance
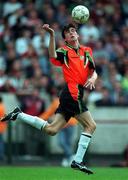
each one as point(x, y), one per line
point(58, 122)
point(86, 119)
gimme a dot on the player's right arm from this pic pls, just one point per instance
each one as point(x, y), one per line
point(52, 47)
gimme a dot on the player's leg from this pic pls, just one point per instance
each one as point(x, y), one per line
point(57, 124)
point(87, 122)
point(17, 114)
point(89, 126)
point(37, 122)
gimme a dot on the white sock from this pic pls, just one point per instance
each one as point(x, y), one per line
point(32, 120)
point(82, 147)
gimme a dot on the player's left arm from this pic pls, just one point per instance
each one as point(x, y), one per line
point(93, 74)
point(91, 81)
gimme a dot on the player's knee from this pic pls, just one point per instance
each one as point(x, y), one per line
point(93, 125)
point(52, 132)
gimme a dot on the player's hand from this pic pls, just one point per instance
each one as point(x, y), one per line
point(90, 83)
point(48, 29)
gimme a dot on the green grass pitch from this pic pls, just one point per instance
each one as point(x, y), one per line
point(59, 173)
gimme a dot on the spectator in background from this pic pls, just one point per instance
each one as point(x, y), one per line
point(33, 19)
point(22, 43)
point(106, 99)
point(7, 87)
point(11, 6)
point(61, 11)
point(3, 126)
point(89, 32)
point(65, 138)
point(32, 103)
point(48, 13)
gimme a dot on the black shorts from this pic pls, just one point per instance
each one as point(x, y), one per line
point(69, 107)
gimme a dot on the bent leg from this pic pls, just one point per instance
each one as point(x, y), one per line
point(57, 124)
point(43, 125)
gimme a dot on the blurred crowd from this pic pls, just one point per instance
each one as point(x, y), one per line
point(24, 63)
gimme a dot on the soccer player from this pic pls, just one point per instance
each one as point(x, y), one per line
point(79, 72)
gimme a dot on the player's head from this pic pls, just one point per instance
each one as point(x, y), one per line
point(69, 32)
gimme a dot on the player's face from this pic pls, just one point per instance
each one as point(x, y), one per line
point(71, 35)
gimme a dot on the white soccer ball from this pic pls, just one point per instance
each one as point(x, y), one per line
point(80, 14)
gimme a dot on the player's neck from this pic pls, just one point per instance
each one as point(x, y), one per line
point(74, 44)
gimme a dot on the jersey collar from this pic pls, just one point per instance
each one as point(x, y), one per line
point(70, 46)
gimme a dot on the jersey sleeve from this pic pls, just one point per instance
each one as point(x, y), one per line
point(89, 55)
point(59, 60)
point(55, 62)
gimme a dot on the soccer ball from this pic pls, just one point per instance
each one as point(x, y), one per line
point(80, 14)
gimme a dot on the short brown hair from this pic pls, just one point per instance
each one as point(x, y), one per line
point(66, 28)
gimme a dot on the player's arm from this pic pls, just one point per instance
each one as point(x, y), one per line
point(51, 49)
point(93, 75)
point(91, 81)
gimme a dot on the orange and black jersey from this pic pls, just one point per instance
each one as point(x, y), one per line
point(77, 65)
